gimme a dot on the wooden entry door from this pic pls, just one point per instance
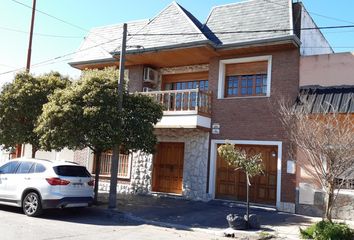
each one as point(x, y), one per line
point(231, 184)
point(168, 168)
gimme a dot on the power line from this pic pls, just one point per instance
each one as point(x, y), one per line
point(62, 56)
point(313, 13)
point(332, 18)
point(49, 15)
point(240, 31)
point(58, 19)
point(38, 34)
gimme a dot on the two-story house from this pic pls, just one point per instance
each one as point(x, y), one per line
point(217, 81)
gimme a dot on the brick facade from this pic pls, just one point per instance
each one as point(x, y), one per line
point(255, 118)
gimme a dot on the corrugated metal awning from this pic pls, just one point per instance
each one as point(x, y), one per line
point(339, 99)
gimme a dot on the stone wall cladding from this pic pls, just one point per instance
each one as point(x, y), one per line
point(344, 206)
point(342, 209)
point(256, 118)
point(196, 148)
point(122, 187)
point(141, 172)
point(286, 207)
point(140, 180)
point(185, 69)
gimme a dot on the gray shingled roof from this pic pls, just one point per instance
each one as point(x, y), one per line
point(338, 99)
point(172, 18)
point(243, 16)
point(100, 41)
point(250, 16)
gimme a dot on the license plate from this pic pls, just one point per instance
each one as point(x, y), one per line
point(77, 184)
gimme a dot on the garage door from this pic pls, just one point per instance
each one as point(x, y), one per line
point(168, 168)
point(231, 184)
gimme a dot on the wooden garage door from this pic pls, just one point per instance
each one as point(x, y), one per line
point(231, 184)
point(168, 168)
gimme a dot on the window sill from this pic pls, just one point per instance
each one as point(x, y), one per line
point(227, 98)
point(109, 176)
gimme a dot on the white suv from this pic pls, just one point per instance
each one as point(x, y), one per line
point(36, 184)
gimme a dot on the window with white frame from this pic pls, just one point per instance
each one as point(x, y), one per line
point(245, 77)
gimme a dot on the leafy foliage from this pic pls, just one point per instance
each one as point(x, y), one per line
point(251, 165)
point(86, 115)
point(21, 104)
point(326, 230)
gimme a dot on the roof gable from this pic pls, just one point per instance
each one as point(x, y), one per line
point(172, 19)
point(102, 41)
point(250, 15)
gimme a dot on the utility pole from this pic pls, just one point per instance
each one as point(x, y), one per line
point(20, 148)
point(115, 157)
point(28, 65)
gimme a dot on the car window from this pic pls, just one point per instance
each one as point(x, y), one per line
point(9, 167)
point(37, 168)
point(24, 167)
point(71, 171)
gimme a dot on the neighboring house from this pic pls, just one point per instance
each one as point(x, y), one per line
point(327, 81)
point(216, 81)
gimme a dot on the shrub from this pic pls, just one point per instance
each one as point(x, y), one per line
point(326, 230)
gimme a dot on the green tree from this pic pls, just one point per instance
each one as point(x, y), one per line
point(86, 115)
point(251, 165)
point(21, 104)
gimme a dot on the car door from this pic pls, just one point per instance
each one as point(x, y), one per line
point(6, 171)
point(18, 181)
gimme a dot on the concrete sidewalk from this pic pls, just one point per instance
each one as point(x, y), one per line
point(202, 216)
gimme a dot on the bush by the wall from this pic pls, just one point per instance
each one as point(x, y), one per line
point(326, 230)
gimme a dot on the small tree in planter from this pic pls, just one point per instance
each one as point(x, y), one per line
point(240, 160)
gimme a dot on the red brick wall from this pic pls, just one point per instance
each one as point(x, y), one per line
point(255, 118)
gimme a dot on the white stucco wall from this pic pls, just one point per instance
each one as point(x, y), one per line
point(312, 41)
point(64, 155)
point(327, 70)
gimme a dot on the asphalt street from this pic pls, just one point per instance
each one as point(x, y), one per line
point(85, 224)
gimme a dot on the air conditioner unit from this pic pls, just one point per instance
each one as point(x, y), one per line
point(150, 75)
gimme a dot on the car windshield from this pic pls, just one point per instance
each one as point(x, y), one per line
point(71, 171)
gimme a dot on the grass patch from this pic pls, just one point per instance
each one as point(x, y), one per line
point(325, 230)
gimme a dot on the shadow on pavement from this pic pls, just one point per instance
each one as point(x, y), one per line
point(197, 214)
point(90, 216)
point(135, 210)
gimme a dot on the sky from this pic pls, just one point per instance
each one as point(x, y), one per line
point(54, 38)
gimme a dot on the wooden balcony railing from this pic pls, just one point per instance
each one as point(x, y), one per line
point(175, 101)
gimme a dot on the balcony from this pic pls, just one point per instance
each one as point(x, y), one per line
point(190, 108)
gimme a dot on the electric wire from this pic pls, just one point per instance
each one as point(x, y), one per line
point(56, 18)
point(62, 56)
point(38, 34)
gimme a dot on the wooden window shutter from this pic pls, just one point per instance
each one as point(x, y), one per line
point(248, 68)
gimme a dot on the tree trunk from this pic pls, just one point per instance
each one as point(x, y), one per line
point(34, 150)
point(113, 182)
point(97, 175)
point(329, 201)
point(248, 200)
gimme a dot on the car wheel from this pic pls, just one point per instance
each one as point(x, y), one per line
point(31, 204)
